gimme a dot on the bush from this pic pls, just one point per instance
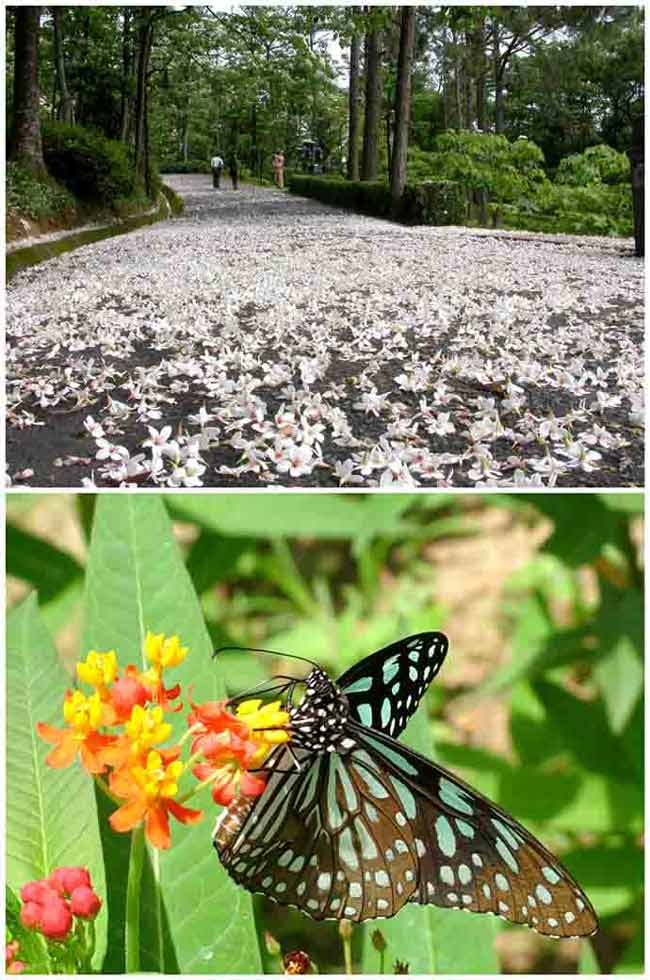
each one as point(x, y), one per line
point(597, 165)
point(35, 198)
point(175, 201)
point(481, 162)
point(185, 167)
point(595, 210)
point(434, 202)
point(92, 167)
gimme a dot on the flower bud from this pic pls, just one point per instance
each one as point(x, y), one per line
point(126, 693)
point(65, 880)
point(38, 891)
point(56, 919)
point(30, 915)
point(84, 902)
point(378, 941)
point(273, 947)
point(297, 962)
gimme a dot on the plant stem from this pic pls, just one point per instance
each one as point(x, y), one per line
point(347, 952)
point(132, 925)
point(382, 960)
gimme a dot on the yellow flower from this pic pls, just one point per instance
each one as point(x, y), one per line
point(157, 779)
point(266, 724)
point(146, 727)
point(98, 669)
point(82, 713)
point(164, 651)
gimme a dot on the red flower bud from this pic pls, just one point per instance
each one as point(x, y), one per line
point(297, 962)
point(56, 919)
point(85, 903)
point(11, 949)
point(65, 880)
point(37, 891)
point(126, 693)
point(16, 966)
point(30, 915)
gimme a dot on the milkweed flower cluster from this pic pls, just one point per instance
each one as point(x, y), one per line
point(118, 731)
point(51, 905)
point(12, 965)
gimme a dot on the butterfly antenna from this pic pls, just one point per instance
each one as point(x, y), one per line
point(272, 653)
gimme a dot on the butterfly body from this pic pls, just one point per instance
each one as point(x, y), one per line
point(353, 824)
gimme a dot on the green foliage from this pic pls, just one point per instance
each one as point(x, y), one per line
point(435, 202)
point(175, 202)
point(598, 209)
point(597, 165)
point(333, 577)
point(92, 167)
point(34, 198)
point(482, 161)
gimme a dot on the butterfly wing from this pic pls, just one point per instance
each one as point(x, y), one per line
point(327, 839)
point(473, 855)
point(384, 689)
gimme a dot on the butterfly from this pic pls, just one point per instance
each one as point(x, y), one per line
point(352, 824)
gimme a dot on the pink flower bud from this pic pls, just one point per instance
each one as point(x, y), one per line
point(56, 919)
point(85, 903)
point(30, 915)
point(65, 880)
point(126, 693)
point(37, 891)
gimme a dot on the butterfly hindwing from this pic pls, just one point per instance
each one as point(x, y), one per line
point(384, 689)
point(475, 856)
point(326, 840)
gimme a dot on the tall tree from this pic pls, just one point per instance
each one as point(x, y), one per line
point(374, 80)
point(354, 126)
point(402, 104)
point(66, 105)
point(26, 146)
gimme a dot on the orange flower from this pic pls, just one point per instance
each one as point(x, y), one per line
point(84, 716)
point(150, 792)
point(144, 729)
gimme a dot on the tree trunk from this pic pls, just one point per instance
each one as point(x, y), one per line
point(402, 105)
point(66, 110)
point(354, 124)
point(126, 93)
point(479, 55)
point(143, 52)
point(389, 148)
point(499, 123)
point(370, 158)
point(26, 146)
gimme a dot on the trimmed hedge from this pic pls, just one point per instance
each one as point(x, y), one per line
point(92, 167)
point(431, 203)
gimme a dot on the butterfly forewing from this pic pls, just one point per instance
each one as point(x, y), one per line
point(385, 689)
point(328, 840)
point(475, 856)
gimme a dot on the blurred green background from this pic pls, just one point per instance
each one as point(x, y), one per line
point(539, 704)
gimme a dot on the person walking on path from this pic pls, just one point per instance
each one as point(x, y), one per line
point(233, 167)
point(278, 168)
point(217, 166)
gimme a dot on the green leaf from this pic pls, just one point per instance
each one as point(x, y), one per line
point(627, 503)
point(193, 918)
point(588, 962)
point(632, 959)
point(50, 570)
point(51, 813)
point(581, 529)
point(610, 873)
point(213, 557)
point(619, 670)
point(293, 515)
point(447, 941)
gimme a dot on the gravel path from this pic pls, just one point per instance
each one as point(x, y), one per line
point(265, 339)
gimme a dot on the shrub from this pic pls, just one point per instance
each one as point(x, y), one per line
point(594, 210)
point(481, 161)
point(35, 198)
point(175, 202)
point(92, 167)
point(597, 165)
point(434, 203)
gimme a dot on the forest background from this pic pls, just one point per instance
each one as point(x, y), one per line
point(531, 109)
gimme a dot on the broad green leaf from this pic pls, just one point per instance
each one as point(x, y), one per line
point(619, 670)
point(50, 570)
point(430, 939)
point(581, 528)
point(291, 515)
point(193, 918)
point(51, 813)
point(611, 874)
point(628, 503)
point(213, 557)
